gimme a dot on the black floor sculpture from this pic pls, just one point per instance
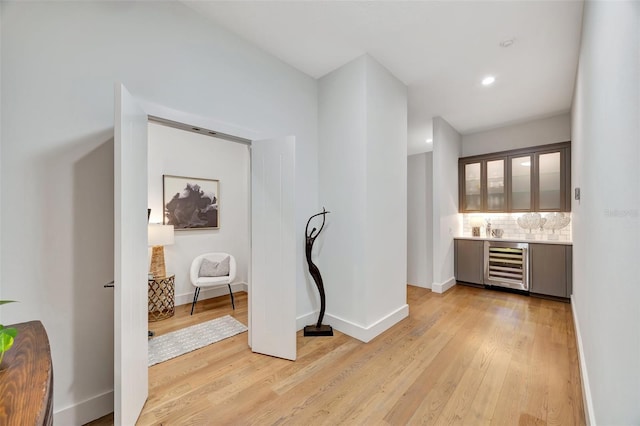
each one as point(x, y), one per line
point(317, 329)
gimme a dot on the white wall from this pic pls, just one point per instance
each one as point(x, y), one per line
point(446, 220)
point(1, 133)
point(386, 208)
point(606, 221)
point(420, 219)
point(522, 135)
point(181, 153)
point(362, 126)
point(342, 157)
point(59, 64)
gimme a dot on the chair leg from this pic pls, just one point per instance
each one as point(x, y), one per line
point(231, 293)
point(195, 299)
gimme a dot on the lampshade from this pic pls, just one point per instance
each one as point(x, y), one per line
point(160, 235)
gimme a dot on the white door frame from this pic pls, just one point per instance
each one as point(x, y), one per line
point(188, 119)
point(166, 113)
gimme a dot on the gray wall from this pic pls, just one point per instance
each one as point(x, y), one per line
point(606, 221)
point(420, 219)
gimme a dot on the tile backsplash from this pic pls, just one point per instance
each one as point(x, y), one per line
point(507, 222)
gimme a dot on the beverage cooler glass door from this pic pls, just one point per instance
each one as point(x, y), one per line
point(506, 264)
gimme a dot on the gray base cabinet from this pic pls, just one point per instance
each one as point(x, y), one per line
point(550, 269)
point(469, 261)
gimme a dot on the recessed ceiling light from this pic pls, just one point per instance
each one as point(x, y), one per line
point(429, 140)
point(488, 80)
point(526, 163)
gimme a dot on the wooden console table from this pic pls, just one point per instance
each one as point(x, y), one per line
point(26, 378)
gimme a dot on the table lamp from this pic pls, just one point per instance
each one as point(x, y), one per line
point(159, 236)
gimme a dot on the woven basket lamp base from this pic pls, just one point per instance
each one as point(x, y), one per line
point(157, 262)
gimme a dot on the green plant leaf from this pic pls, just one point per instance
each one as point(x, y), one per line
point(7, 335)
point(10, 331)
point(6, 341)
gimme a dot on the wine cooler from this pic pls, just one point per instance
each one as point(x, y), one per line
point(506, 264)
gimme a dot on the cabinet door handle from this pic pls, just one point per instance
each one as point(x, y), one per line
point(109, 284)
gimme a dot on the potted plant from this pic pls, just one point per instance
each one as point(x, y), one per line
point(7, 335)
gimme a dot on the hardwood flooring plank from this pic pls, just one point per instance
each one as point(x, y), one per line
point(460, 318)
point(535, 406)
point(487, 396)
point(327, 399)
point(449, 367)
point(515, 385)
point(562, 392)
point(575, 382)
point(469, 356)
point(389, 380)
point(495, 350)
point(318, 367)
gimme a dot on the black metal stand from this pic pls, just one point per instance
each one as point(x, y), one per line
point(196, 294)
point(318, 329)
point(323, 330)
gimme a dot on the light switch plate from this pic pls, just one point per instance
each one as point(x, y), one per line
point(577, 194)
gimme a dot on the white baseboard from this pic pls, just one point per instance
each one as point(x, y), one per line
point(444, 286)
point(307, 319)
point(187, 298)
point(584, 377)
point(366, 334)
point(85, 411)
point(427, 286)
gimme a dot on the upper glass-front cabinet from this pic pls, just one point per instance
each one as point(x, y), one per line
point(550, 181)
point(524, 180)
point(472, 187)
point(496, 199)
point(520, 178)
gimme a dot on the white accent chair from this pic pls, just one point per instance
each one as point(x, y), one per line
point(212, 282)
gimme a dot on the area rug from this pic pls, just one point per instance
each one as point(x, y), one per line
point(180, 342)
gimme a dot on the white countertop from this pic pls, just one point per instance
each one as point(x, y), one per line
point(516, 240)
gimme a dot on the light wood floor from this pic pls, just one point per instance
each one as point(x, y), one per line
point(470, 357)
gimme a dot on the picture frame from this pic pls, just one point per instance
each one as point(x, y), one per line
point(190, 203)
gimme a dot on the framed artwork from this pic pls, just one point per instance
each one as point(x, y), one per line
point(191, 203)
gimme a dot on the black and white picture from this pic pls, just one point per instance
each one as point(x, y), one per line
point(191, 203)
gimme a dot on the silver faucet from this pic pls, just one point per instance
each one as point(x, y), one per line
point(488, 228)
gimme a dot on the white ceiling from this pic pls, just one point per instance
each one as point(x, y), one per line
point(440, 50)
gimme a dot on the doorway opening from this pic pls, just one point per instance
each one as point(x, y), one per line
point(272, 279)
point(199, 188)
